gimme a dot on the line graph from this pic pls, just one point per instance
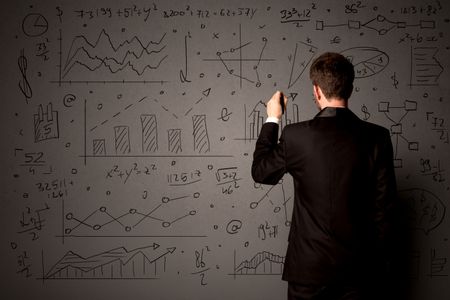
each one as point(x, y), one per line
point(106, 60)
point(104, 219)
point(277, 193)
point(147, 262)
point(230, 56)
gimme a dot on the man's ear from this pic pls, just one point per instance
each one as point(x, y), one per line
point(317, 92)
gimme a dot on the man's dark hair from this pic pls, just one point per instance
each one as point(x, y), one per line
point(334, 74)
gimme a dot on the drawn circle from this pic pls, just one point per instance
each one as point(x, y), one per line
point(192, 212)
point(165, 224)
point(253, 205)
point(258, 84)
point(269, 75)
point(69, 216)
point(246, 244)
point(74, 171)
point(69, 99)
point(108, 193)
point(34, 25)
point(264, 39)
point(219, 53)
point(119, 96)
point(127, 228)
point(165, 200)
point(102, 209)
point(277, 209)
point(216, 227)
point(132, 211)
point(234, 226)
point(210, 167)
point(202, 75)
point(97, 227)
point(68, 144)
point(68, 230)
point(196, 195)
point(99, 106)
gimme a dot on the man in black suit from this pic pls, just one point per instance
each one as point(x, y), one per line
point(344, 185)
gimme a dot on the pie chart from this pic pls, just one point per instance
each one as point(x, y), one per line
point(34, 25)
point(367, 61)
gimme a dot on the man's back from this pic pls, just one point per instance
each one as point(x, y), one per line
point(336, 161)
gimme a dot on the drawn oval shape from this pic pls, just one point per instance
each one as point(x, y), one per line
point(367, 61)
point(425, 210)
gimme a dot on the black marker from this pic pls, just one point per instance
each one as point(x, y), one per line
point(282, 103)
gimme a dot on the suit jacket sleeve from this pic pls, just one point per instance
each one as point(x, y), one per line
point(269, 164)
point(385, 195)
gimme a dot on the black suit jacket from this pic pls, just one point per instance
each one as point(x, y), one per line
point(344, 186)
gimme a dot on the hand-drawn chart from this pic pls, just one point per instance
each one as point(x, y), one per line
point(234, 61)
point(119, 263)
point(102, 59)
point(262, 263)
point(130, 128)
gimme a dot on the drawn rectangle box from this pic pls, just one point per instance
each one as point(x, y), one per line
point(396, 129)
point(122, 139)
point(354, 24)
point(174, 139)
point(99, 147)
point(200, 132)
point(410, 105)
point(149, 133)
point(414, 146)
point(398, 163)
point(401, 24)
point(427, 24)
point(383, 106)
point(319, 25)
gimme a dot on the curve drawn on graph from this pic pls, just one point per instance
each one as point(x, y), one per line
point(130, 54)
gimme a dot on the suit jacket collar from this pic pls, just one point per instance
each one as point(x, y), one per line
point(335, 112)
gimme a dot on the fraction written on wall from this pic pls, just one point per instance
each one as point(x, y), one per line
point(130, 125)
